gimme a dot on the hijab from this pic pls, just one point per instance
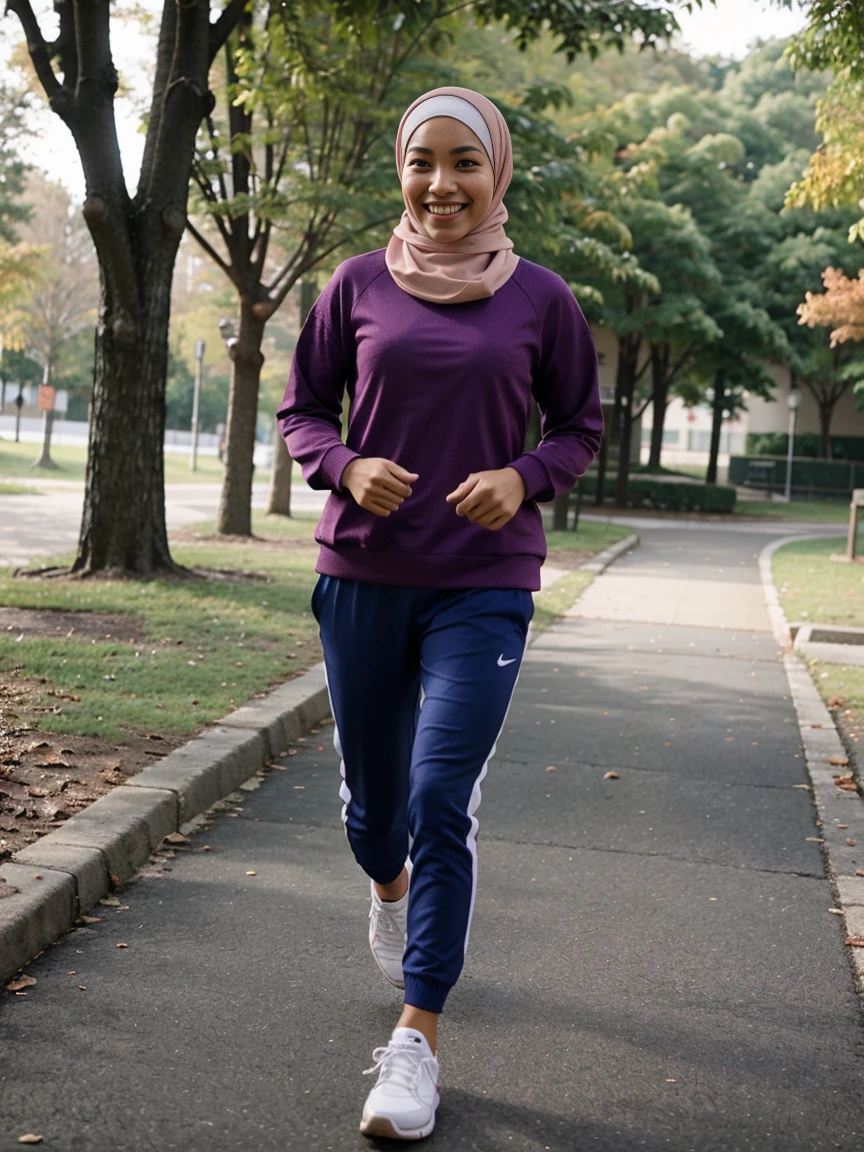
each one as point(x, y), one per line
point(476, 266)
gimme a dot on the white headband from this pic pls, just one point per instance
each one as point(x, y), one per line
point(454, 107)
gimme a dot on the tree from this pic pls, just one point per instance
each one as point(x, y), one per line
point(136, 238)
point(64, 298)
point(833, 39)
point(840, 307)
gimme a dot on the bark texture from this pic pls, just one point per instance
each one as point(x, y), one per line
point(235, 504)
point(718, 405)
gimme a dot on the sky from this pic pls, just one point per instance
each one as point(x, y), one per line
point(727, 30)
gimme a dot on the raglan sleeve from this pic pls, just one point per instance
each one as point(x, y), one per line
point(310, 416)
point(567, 390)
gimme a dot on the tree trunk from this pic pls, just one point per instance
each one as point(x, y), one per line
point(560, 508)
point(826, 410)
point(123, 525)
point(44, 460)
point(279, 496)
point(717, 406)
point(602, 461)
point(659, 400)
point(628, 352)
point(279, 499)
point(235, 505)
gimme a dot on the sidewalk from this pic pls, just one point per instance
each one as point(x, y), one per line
point(653, 963)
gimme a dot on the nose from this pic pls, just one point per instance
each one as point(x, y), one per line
point(442, 182)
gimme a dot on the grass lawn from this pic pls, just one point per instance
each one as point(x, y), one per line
point(810, 511)
point(199, 648)
point(814, 588)
point(186, 653)
point(16, 460)
point(17, 489)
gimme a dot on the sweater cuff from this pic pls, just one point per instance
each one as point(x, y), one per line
point(534, 475)
point(336, 460)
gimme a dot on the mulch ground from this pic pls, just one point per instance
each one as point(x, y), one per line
point(46, 778)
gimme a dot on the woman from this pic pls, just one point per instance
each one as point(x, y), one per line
point(431, 540)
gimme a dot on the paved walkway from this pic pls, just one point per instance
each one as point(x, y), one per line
point(653, 964)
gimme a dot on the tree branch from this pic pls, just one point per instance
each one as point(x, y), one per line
point(36, 46)
point(229, 18)
point(211, 251)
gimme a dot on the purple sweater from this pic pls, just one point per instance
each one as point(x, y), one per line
point(442, 390)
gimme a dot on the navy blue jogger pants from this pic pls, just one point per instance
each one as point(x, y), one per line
point(412, 773)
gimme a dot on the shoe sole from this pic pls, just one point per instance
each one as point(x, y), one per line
point(383, 1126)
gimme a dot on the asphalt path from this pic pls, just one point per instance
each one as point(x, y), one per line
point(653, 963)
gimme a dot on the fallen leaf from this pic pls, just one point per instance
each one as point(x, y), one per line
point(551, 768)
point(82, 987)
point(859, 872)
point(815, 725)
point(814, 839)
point(175, 838)
point(30, 1138)
point(855, 941)
point(611, 776)
point(251, 873)
point(806, 787)
point(850, 841)
point(20, 982)
point(838, 761)
point(89, 919)
point(121, 945)
point(111, 901)
point(836, 911)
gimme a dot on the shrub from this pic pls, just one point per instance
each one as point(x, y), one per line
point(668, 495)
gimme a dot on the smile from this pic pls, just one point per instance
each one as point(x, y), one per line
point(445, 209)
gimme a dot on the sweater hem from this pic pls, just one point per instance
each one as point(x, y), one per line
point(416, 570)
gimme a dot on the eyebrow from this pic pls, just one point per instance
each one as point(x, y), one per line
point(453, 151)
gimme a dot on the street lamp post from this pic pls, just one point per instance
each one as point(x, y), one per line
point(196, 400)
point(793, 402)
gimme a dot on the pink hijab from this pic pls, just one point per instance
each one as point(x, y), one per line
point(476, 266)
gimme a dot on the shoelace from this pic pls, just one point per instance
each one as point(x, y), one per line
point(406, 1072)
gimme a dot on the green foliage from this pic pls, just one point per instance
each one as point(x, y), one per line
point(671, 495)
point(13, 210)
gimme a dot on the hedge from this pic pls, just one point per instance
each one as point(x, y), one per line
point(668, 495)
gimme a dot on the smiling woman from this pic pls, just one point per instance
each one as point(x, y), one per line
point(431, 540)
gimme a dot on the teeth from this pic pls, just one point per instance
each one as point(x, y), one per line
point(445, 209)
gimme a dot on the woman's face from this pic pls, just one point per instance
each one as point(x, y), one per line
point(447, 178)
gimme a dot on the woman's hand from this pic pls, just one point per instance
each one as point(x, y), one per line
point(376, 484)
point(489, 499)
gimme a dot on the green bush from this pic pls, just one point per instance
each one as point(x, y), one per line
point(667, 495)
point(807, 444)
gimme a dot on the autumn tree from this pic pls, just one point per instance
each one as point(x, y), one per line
point(64, 298)
point(840, 307)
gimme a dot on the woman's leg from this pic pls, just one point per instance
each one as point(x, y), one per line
point(471, 651)
point(372, 659)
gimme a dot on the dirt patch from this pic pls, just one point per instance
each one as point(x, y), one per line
point(46, 778)
point(567, 558)
point(57, 623)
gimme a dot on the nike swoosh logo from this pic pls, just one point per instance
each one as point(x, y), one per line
point(502, 663)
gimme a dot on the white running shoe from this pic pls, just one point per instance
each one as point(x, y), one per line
point(388, 931)
point(402, 1104)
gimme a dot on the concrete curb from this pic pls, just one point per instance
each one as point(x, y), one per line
point(602, 560)
point(841, 813)
point(65, 873)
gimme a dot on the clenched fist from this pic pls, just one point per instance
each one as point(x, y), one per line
point(491, 498)
point(376, 484)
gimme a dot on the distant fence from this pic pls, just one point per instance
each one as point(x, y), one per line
point(810, 478)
